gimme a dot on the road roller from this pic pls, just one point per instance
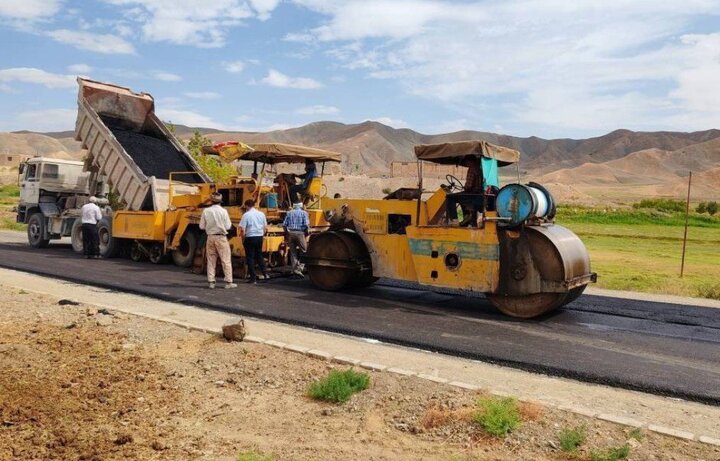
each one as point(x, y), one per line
point(507, 244)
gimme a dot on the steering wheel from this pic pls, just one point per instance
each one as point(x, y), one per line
point(454, 183)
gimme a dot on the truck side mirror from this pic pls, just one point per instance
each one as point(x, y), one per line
point(21, 168)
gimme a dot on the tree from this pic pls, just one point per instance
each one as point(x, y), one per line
point(712, 208)
point(217, 170)
point(701, 208)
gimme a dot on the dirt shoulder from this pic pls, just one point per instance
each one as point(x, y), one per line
point(79, 384)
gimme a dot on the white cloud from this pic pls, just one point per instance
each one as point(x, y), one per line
point(82, 69)
point(98, 43)
point(189, 22)
point(203, 95)
point(189, 118)
point(41, 120)
point(550, 65)
point(29, 9)
point(166, 76)
point(317, 110)
point(280, 80)
point(37, 76)
point(393, 122)
point(263, 8)
point(234, 67)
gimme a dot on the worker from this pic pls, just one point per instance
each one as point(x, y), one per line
point(253, 227)
point(215, 221)
point(297, 228)
point(470, 199)
point(297, 189)
point(90, 217)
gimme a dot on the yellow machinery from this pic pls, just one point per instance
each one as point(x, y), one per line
point(160, 187)
point(511, 249)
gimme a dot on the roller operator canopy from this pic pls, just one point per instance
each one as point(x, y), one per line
point(453, 152)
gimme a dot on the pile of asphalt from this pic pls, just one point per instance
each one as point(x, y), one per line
point(154, 155)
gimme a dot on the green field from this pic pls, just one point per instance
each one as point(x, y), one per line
point(8, 199)
point(640, 250)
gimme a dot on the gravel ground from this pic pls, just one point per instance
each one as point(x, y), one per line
point(76, 383)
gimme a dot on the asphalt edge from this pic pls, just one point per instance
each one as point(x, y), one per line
point(379, 368)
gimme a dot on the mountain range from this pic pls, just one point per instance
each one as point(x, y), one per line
point(654, 163)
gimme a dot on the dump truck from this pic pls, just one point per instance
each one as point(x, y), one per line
point(511, 250)
point(158, 189)
point(51, 194)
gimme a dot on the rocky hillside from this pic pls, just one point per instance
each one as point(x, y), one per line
point(651, 162)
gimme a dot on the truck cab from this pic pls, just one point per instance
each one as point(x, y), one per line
point(51, 192)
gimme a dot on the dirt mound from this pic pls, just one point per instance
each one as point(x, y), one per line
point(74, 392)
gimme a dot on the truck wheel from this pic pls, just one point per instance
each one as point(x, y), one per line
point(184, 254)
point(109, 246)
point(76, 236)
point(157, 255)
point(36, 231)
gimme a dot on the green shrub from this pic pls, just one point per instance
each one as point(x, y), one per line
point(661, 204)
point(253, 456)
point(637, 434)
point(497, 416)
point(339, 386)
point(611, 454)
point(386, 190)
point(701, 208)
point(712, 208)
point(571, 439)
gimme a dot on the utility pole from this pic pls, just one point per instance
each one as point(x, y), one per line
point(687, 212)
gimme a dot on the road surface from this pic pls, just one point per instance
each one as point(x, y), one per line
point(666, 349)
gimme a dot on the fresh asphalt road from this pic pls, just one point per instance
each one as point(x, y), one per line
point(666, 349)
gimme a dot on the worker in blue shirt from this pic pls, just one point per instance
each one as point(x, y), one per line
point(297, 228)
point(297, 189)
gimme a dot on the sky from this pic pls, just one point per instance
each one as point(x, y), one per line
point(547, 68)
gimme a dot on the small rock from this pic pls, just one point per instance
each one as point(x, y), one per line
point(68, 302)
point(70, 325)
point(123, 439)
point(234, 331)
point(140, 377)
point(104, 312)
point(128, 346)
point(104, 320)
point(552, 444)
point(326, 412)
point(220, 383)
point(90, 311)
point(158, 446)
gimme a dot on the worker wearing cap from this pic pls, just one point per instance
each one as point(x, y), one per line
point(215, 221)
point(253, 227)
point(90, 217)
point(297, 228)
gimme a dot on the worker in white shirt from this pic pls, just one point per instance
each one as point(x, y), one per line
point(90, 216)
point(215, 221)
point(253, 226)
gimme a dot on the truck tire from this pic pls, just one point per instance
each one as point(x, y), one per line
point(109, 246)
point(36, 231)
point(184, 254)
point(76, 237)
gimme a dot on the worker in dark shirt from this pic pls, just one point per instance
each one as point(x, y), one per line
point(297, 189)
point(471, 198)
